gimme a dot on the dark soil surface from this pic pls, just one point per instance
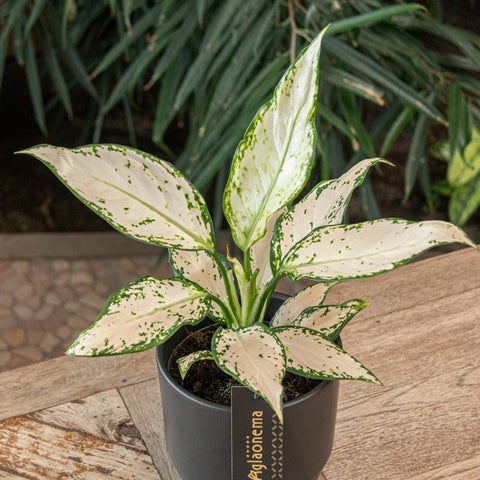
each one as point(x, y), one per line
point(206, 380)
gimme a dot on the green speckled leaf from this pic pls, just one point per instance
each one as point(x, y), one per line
point(324, 205)
point(312, 296)
point(186, 362)
point(199, 267)
point(273, 161)
point(313, 355)
point(254, 357)
point(260, 253)
point(330, 319)
point(138, 194)
point(342, 252)
point(141, 315)
point(465, 164)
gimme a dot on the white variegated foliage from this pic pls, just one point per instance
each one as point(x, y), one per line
point(314, 355)
point(199, 267)
point(260, 253)
point(273, 161)
point(255, 357)
point(150, 200)
point(324, 205)
point(187, 361)
point(140, 195)
point(343, 252)
point(311, 296)
point(329, 319)
point(141, 315)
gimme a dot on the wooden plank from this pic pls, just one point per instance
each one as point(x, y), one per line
point(9, 475)
point(415, 283)
point(63, 379)
point(468, 469)
point(39, 447)
point(102, 416)
point(428, 356)
point(144, 404)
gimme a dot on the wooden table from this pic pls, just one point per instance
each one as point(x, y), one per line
point(81, 418)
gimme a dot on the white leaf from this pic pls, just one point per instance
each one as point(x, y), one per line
point(254, 357)
point(260, 253)
point(293, 306)
point(351, 251)
point(314, 355)
point(138, 194)
point(330, 319)
point(141, 315)
point(187, 361)
point(273, 161)
point(199, 267)
point(324, 205)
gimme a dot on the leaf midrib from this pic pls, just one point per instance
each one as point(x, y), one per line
point(169, 219)
point(272, 184)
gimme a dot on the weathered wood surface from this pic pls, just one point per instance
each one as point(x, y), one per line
point(101, 418)
point(64, 379)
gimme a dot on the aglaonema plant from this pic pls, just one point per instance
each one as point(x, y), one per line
point(148, 199)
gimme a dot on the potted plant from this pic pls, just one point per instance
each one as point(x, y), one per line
point(148, 199)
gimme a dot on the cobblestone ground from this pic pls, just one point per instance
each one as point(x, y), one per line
point(44, 304)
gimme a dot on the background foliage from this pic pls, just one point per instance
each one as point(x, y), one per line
point(199, 69)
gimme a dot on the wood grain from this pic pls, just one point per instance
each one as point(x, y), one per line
point(40, 447)
point(427, 353)
point(102, 415)
point(69, 378)
point(468, 469)
point(421, 336)
point(144, 404)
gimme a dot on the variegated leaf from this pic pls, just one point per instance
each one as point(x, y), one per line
point(187, 361)
point(199, 267)
point(260, 253)
point(314, 355)
point(312, 296)
point(138, 194)
point(341, 252)
point(141, 315)
point(273, 161)
point(255, 358)
point(330, 319)
point(324, 205)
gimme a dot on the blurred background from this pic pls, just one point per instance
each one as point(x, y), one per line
point(183, 79)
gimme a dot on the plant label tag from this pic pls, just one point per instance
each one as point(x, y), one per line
point(257, 438)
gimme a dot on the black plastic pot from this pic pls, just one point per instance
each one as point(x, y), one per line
point(198, 431)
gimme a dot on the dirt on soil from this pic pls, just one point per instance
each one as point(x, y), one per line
point(206, 380)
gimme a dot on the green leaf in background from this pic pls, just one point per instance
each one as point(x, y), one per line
point(465, 200)
point(465, 164)
point(458, 120)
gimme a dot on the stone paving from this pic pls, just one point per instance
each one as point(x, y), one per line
point(46, 303)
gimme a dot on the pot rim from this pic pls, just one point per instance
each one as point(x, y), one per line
point(162, 366)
